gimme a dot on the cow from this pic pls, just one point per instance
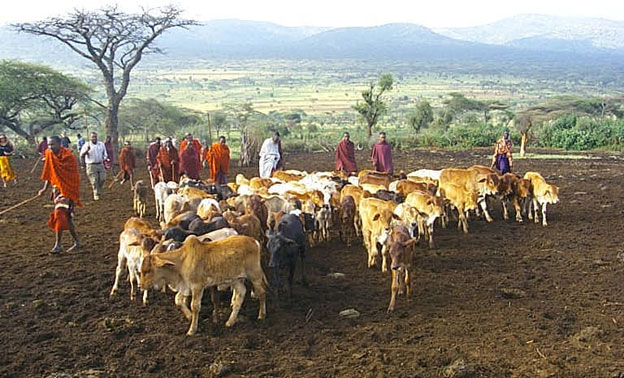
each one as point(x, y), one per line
point(472, 180)
point(387, 195)
point(376, 216)
point(405, 187)
point(139, 198)
point(130, 254)
point(183, 220)
point(287, 177)
point(257, 207)
point(173, 206)
point(429, 208)
point(399, 248)
point(411, 219)
point(347, 223)
point(199, 227)
point(207, 208)
point(357, 193)
point(285, 246)
point(196, 265)
point(161, 192)
point(429, 174)
point(462, 199)
point(322, 223)
point(247, 224)
point(543, 194)
point(521, 196)
point(373, 177)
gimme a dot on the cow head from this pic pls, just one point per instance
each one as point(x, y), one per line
point(398, 251)
point(282, 250)
point(382, 223)
point(551, 195)
point(153, 271)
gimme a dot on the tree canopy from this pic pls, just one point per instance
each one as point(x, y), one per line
point(374, 106)
point(34, 98)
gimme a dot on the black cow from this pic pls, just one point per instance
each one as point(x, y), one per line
point(284, 247)
point(388, 195)
point(199, 227)
point(176, 233)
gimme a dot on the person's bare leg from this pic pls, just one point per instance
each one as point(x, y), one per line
point(72, 231)
point(57, 244)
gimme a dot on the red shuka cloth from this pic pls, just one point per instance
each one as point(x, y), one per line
point(151, 160)
point(189, 163)
point(345, 157)
point(382, 157)
point(126, 159)
point(167, 159)
point(61, 170)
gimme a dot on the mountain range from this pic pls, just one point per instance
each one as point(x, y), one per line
point(542, 40)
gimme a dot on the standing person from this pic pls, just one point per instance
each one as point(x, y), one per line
point(65, 142)
point(502, 159)
point(79, 143)
point(6, 149)
point(218, 159)
point(269, 155)
point(42, 146)
point(151, 160)
point(60, 169)
point(94, 154)
point(109, 163)
point(381, 155)
point(188, 139)
point(345, 155)
point(126, 162)
point(189, 161)
point(168, 162)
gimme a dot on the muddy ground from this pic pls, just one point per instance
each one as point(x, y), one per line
point(508, 299)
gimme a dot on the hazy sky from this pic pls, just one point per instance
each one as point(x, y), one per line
point(335, 13)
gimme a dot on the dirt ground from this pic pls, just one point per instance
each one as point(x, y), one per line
point(509, 299)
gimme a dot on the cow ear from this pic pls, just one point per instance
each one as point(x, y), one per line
point(429, 202)
point(394, 216)
point(134, 244)
point(547, 192)
point(482, 179)
point(376, 217)
point(159, 262)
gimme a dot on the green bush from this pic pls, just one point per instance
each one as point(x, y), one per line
point(573, 133)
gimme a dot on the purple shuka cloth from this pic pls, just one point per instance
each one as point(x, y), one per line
point(502, 164)
point(382, 157)
point(345, 157)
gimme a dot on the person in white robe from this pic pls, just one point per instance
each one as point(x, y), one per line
point(269, 155)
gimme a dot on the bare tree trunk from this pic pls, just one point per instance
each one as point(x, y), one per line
point(112, 123)
point(523, 142)
point(209, 130)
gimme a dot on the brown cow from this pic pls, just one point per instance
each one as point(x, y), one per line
point(405, 187)
point(196, 265)
point(374, 178)
point(256, 207)
point(472, 180)
point(247, 224)
point(377, 216)
point(347, 215)
point(399, 248)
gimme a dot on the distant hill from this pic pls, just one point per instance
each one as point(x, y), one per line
point(551, 45)
point(597, 33)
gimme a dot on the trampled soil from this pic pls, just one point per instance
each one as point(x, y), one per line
point(508, 299)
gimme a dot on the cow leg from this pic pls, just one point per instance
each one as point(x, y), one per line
point(536, 208)
point(483, 204)
point(260, 292)
point(180, 302)
point(408, 283)
point(544, 223)
point(276, 281)
point(121, 264)
point(505, 211)
point(238, 292)
point(527, 208)
point(384, 258)
point(132, 280)
point(291, 275)
point(516, 205)
point(462, 221)
point(394, 290)
point(197, 294)
point(214, 298)
point(304, 281)
point(430, 232)
point(144, 297)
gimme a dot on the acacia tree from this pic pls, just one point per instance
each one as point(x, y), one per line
point(422, 116)
point(34, 98)
point(112, 40)
point(374, 107)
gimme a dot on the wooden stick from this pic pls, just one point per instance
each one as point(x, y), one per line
point(115, 179)
point(19, 204)
point(35, 166)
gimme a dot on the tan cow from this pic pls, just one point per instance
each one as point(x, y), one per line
point(472, 180)
point(377, 216)
point(247, 224)
point(429, 209)
point(543, 194)
point(461, 199)
point(287, 177)
point(257, 183)
point(346, 216)
point(196, 265)
point(372, 177)
point(405, 187)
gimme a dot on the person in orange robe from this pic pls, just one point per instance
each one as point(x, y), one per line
point(60, 168)
point(168, 161)
point(218, 161)
point(126, 162)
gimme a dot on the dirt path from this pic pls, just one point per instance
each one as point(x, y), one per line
point(506, 300)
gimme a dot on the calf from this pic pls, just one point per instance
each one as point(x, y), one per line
point(285, 246)
point(139, 192)
point(247, 224)
point(161, 192)
point(322, 223)
point(377, 216)
point(196, 265)
point(131, 250)
point(429, 208)
point(462, 199)
point(256, 207)
point(347, 215)
point(543, 194)
point(400, 251)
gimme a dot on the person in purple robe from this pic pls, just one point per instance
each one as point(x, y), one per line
point(381, 155)
point(345, 155)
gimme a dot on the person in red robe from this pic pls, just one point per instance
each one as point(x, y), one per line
point(218, 161)
point(60, 169)
point(189, 162)
point(126, 162)
point(381, 155)
point(345, 155)
point(108, 163)
point(151, 160)
point(168, 162)
point(188, 139)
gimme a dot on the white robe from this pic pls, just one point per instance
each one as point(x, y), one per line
point(269, 157)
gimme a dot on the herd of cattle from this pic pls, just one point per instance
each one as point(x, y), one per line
point(218, 237)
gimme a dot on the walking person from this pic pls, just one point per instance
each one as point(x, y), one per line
point(381, 155)
point(65, 142)
point(6, 150)
point(79, 143)
point(168, 162)
point(152, 162)
point(269, 155)
point(109, 163)
point(345, 155)
point(60, 169)
point(94, 154)
point(218, 161)
point(42, 146)
point(190, 157)
point(126, 163)
point(502, 159)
